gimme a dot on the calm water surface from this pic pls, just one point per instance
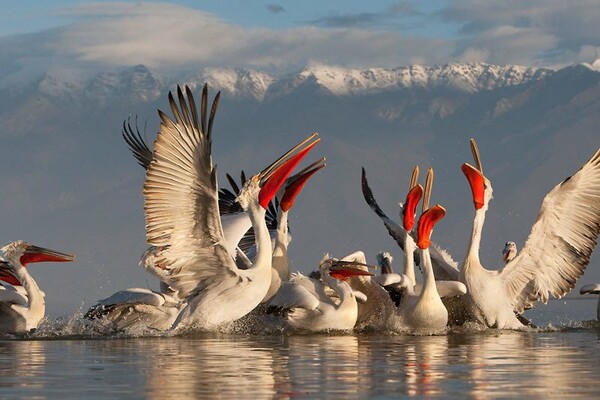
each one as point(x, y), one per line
point(560, 361)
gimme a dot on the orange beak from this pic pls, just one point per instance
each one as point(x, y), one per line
point(426, 223)
point(477, 184)
point(274, 175)
point(34, 254)
point(410, 206)
point(345, 273)
point(296, 183)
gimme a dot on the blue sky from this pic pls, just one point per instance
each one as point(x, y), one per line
point(287, 35)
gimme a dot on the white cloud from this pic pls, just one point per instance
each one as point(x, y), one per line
point(168, 36)
point(536, 32)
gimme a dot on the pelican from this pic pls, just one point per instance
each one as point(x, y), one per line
point(137, 311)
point(593, 288)
point(306, 305)
point(23, 310)
point(422, 312)
point(182, 214)
point(555, 255)
point(509, 252)
point(375, 305)
point(445, 268)
point(140, 310)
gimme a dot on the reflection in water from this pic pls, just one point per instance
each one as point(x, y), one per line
point(191, 369)
point(25, 363)
point(461, 364)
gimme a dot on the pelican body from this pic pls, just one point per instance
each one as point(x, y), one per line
point(555, 255)
point(182, 215)
point(22, 310)
point(306, 304)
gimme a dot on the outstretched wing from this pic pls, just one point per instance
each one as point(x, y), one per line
point(396, 231)
point(181, 198)
point(137, 144)
point(561, 241)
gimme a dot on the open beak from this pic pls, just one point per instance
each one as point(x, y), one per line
point(35, 254)
point(477, 183)
point(296, 183)
point(6, 274)
point(410, 206)
point(426, 223)
point(272, 177)
point(345, 269)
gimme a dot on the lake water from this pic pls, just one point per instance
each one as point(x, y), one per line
point(560, 360)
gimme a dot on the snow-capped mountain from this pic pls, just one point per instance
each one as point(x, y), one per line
point(463, 77)
point(140, 84)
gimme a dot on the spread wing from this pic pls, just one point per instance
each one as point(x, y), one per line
point(396, 231)
point(561, 241)
point(137, 144)
point(181, 198)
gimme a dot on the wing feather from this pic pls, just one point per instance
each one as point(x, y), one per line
point(138, 146)
point(181, 201)
point(299, 292)
point(561, 241)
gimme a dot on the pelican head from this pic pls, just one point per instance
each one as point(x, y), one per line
point(343, 270)
point(269, 180)
point(509, 252)
point(481, 187)
point(384, 260)
point(23, 253)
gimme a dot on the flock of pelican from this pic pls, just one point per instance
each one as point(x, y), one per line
point(222, 254)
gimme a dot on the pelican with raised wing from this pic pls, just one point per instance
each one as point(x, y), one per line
point(555, 255)
point(22, 310)
point(182, 214)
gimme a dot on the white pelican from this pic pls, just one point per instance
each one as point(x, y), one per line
point(306, 305)
point(182, 214)
point(139, 310)
point(421, 311)
point(21, 311)
point(445, 268)
point(554, 257)
point(509, 252)
point(592, 288)
point(375, 305)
